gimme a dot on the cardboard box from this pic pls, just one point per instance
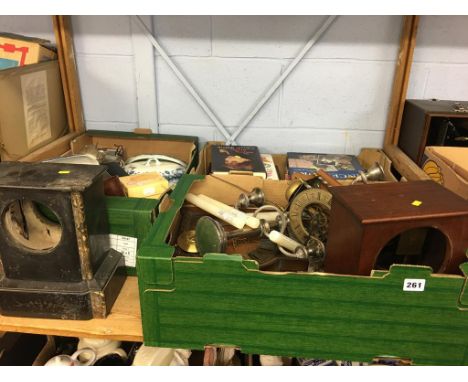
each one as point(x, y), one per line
point(130, 219)
point(448, 166)
point(225, 300)
point(367, 158)
point(32, 108)
point(181, 147)
point(147, 185)
point(17, 50)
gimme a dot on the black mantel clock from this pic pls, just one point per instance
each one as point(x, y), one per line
point(55, 257)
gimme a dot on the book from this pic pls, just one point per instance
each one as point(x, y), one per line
point(270, 167)
point(340, 166)
point(237, 160)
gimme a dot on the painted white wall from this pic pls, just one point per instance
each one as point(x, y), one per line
point(335, 101)
point(440, 68)
point(35, 26)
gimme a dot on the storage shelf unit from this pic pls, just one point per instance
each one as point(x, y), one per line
point(124, 321)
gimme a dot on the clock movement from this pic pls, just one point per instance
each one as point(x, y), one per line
point(309, 211)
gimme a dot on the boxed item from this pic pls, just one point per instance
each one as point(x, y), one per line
point(32, 108)
point(341, 166)
point(146, 185)
point(448, 166)
point(270, 167)
point(367, 158)
point(131, 217)
point(145, 155)
point(17, 50)
point(238, 160)
point(224, 297)
point(181, 147)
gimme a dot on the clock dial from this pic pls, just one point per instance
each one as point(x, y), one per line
point(308, 214)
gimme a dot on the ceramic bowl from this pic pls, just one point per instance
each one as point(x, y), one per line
point(170, 168)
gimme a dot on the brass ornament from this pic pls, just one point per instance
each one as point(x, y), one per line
point(374, 173)
point(309, 212)
point(295, 186)
point(186, 241)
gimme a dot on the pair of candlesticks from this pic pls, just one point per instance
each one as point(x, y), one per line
point(267, 221)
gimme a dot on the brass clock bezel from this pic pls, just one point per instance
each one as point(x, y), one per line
point(308, 198)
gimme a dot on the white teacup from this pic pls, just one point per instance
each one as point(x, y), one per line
point(82, 357)
point(101, 347)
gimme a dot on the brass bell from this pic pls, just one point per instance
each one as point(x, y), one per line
point(374, 173)
point(295, 187)
point(256, 197)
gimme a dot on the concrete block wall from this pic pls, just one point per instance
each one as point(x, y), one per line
point(440, 67)
point(35, 26)
point(105, 60)
point(335, 101)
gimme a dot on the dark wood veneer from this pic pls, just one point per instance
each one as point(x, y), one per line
point(364, 218)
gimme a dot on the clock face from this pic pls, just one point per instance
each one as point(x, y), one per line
point(309, 212)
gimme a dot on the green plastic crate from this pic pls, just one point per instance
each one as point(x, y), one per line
point(221, 299)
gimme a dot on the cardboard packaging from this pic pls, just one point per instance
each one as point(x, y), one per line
point(17, 50)
point(148, 185)
point(448, 166)
point(32, 108)
point(339, 166)
point(366, 158)
point(131, 218)
point(218, 299)
point(182, 147)
point(270, 167)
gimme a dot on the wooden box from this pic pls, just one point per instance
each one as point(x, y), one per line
point(365, 218)
point(431, 123)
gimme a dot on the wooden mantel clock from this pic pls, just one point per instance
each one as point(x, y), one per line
point(375, 225)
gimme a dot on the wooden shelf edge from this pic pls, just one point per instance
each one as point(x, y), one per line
point(123, 323)
point(67, 332)
point(401, 78)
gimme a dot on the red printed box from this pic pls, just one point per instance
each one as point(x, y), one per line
point(16, 50)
